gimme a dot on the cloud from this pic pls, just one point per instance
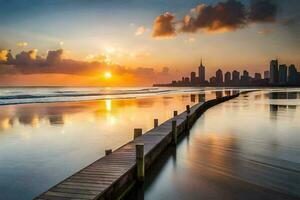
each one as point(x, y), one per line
point(3, 55)
point(22, 44)
point(228, 15)
point(25, 58)
point(29, 63)
point(54, 57)
point(164, 26)
point(262, 11)
point(221, 17)
point(140, 30)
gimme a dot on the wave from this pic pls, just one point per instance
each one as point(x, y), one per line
point(45, 95)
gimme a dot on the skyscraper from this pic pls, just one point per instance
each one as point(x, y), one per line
point(266, 74)
point(212, 81)
point(201, 73)
point(193, 78)
point(292, 78)
point(227, 78)
point(219, 77)
point(282, 74)
point(245, 78)
point(274, 71)
point(257, 76)
point(235, 77)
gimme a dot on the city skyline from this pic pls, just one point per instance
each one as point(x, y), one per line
point(276, 75)
point(142, 41)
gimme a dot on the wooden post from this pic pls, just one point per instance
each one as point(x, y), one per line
point(155, 123)
point(188, 122)
point(175, 113)
point(140, 162)
point(108, 151)
point(174, 132)
point(137, 132)
point(188, 109)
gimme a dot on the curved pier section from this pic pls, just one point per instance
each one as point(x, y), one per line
point(111, 176)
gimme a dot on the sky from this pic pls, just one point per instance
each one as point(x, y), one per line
point(76, 42)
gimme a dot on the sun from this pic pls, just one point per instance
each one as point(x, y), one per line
point(107, 75)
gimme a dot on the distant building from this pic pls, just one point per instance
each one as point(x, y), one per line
point(235, 77)
point(201, 73)
point(227, 78)
point(245, 78)
point(274, 72)
point(186, 80)
point(212, 81)
point(282, 74)
point(219, 77)
point(257, 76)
point(193, 78)
point(293, 75)
point(266, 74)
point(245, 73)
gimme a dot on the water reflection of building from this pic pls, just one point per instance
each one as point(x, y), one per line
point(219, 94)
point(292, 95)
point(56, 119)
point(193, 98)
point(6, 123)
point(201, 97)
point(227, 92)
point(29, 119)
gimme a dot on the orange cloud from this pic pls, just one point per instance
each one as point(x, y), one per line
point(164, 26)
point(3, 55)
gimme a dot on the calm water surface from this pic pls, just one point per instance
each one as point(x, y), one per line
point(246, 148)
point(43, 143)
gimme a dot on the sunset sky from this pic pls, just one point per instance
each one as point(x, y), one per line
point(75, 42)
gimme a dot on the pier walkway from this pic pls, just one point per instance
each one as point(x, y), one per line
point(112, 175)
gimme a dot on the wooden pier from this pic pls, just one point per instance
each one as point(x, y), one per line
point(114, 174)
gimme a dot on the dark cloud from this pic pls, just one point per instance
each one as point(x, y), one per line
point(263, 11)
point(228, 15)
point(54, 57)
point(24, 58)
point(223, 16)
point(164, 25)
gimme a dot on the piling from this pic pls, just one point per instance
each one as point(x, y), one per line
point(137, 132)
point(188, 109)
point(155, 123)
point(174, 132)
point(175, 113)
point(140, 161)
point(108, 151)
point(187, 123)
